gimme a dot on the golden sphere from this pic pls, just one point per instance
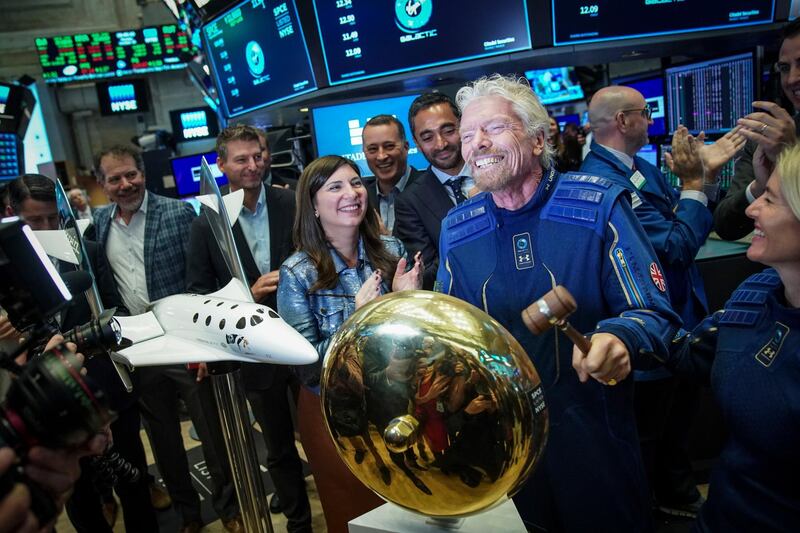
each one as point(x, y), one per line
point(433, 404)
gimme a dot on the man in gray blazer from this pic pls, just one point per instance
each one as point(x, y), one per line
point(145, 237)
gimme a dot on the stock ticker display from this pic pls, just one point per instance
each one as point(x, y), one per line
point(583, 21)
point(258, 55)
point(363, 39)
point(89, 56)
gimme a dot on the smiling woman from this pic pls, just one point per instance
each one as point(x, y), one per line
point(750, 352)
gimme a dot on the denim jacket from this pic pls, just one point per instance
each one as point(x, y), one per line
point(318, 315)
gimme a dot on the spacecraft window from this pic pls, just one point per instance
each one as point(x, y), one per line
point(241, 323)
point(234, 306)
point(208, 320)
point(220, 304)
point(255, 320)
point(273, 314)
point(222, 323)
point(259, 310)
point(195, 317)
point(204, 303)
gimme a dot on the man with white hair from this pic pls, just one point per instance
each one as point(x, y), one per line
point(532, 228)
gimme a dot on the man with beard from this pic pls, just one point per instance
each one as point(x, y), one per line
point(677, 225)
point(145, 237)
point(769, 129)
point(504, 248)
point(434, 119)
point(263, 235)
point(386, 151)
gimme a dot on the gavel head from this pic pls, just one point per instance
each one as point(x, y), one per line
point(549, 310)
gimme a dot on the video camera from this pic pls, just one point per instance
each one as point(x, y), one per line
point(50, 403)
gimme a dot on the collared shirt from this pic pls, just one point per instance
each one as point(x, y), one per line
point(86, 214)
point(386, 202)
point(627, 160)
point(466, 185)
point(255, 226)
point(125, 252)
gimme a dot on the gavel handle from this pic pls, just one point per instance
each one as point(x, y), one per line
point(575, 336)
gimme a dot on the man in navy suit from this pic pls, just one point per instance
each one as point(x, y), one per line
point(263, 235)
point(677, 225)
point(145, 237)
point(419, 211)
point(386, 151)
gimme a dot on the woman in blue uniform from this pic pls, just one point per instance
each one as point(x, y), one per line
point(342, 263)
point(750, 352)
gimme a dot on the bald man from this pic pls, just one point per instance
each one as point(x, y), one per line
point(677, 226)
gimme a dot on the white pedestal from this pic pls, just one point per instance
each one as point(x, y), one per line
point(389, 518)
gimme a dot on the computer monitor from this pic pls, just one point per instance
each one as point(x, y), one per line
point(186, 170)
point(258, 55)
point(576, 21)
point(193, 123)
point(337, 128)
point(555, 85)
point(365, 39)
point(649, 153)
point(121, 97)
point(652, 88)
point(725, 173)
point(710, 95)
point(111, 54)
point(563, 120)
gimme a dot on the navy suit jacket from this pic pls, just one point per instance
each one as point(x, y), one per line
point(371, 183)
point(206, 270)
point(676, 228)
point(166, 240)
point(419, 212)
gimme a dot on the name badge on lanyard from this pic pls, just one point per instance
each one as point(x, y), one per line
point(523, 252)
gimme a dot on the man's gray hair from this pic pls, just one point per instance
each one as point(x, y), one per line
point(523, 100)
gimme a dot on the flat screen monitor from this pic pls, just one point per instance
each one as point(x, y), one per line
point(258, 55)
point(194, 123)
point(186, 171)
point(725, 173)
point(11, 162)
point(121, 97)
point(649, 153)
point(652, 88)
point(710, 95)
point(572, 118)
point(555, 85)
point(576, 21)
point(111, 54)
point(337, 128)
point(15, 107)
point(363, 39)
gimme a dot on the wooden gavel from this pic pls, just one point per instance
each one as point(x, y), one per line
point(552, 309)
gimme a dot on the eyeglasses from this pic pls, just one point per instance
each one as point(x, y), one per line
point(646, 111)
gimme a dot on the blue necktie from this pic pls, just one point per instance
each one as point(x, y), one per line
point(455, 185)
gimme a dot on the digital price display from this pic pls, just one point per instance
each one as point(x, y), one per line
point(10, 160)
point(363, 39)
point(584, 21)
point(90, 56)
point(258, 55)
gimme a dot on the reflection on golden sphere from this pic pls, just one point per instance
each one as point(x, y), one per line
point(433, 404)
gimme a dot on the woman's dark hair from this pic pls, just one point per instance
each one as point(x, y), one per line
point(34, 186)
point(309, 236)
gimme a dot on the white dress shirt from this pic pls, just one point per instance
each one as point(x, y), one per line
point(125, 252)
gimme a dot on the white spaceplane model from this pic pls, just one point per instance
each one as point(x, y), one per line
point(191, 328)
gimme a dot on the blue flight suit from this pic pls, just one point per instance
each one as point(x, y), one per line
point(676, 227)
point(576, 231)
point(750, 351)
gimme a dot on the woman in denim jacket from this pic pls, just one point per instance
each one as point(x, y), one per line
point(342, 263)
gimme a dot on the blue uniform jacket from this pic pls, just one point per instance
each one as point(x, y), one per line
point(751, 353)
point(676, 228)
point(577, 231)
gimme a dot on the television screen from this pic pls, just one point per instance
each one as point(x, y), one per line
point(563, 120)
point(120, 97)
point(16, 105)
point(575, 21)
point(186, 171)
point(363, 39)
point(258, 55)
point(653, 91)
point(11, 162)
point(649, 153)
point(110, 54)
point(337, 128)
point(555, 85)
point(193, 123)
point(710, 95)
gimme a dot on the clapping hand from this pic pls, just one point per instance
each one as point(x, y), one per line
point(410, 280)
